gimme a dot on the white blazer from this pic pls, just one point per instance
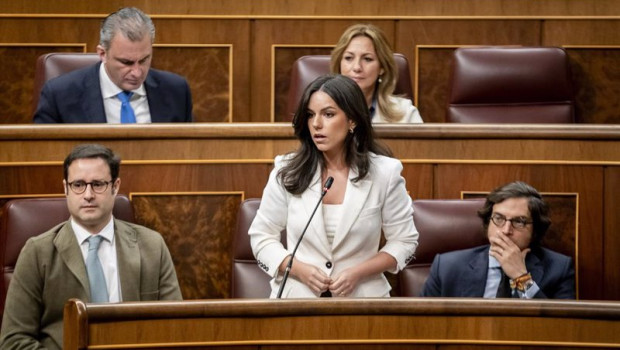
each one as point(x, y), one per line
point(377, 203)
point(411, 113)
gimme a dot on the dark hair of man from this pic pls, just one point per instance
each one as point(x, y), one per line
point(130, 22)
point(93, 151)
point(297, 174)
point(536, 205)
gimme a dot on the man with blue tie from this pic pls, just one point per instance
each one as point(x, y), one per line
point(513, 264)
point(92, 256)
point(122, 88)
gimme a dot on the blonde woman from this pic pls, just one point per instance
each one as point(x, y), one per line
point(364, 55)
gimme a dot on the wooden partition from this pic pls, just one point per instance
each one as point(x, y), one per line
point(396, 323)
point(186, 181)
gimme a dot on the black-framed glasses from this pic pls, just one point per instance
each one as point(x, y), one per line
point(79, 186)
point(519, 222)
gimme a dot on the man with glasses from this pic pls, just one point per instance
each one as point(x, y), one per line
point(128, 262)
point(513, 264)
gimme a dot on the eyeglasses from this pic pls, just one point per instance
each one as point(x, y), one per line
point(79, 186)
point(519, 222)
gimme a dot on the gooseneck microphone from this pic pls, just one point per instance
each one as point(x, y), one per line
point(328, 184)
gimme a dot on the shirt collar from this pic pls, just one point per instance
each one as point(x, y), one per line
point(81, 234)
point(109, 89)
point(493, 263)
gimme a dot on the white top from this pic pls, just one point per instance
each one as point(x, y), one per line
point(332, 214)
point(112, 104)
point(412, 115)
point(107, 256)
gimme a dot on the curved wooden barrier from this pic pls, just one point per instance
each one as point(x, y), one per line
point(342, 324)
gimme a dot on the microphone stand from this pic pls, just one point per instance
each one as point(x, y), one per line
point(328, 184)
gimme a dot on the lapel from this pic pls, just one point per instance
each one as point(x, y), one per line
point(128, 256)
point(157, 101)
point(69, 251)
point(475, 282)
point(354, 201)
point(534, 266)
point(91, 99)
point(309, 199)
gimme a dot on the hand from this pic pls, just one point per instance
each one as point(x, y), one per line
point(344, 283)
point(311, 276)
point(510, 257)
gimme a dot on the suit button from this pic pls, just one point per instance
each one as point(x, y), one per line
point(328, 264)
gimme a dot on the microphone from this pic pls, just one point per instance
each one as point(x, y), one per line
point(327, 186)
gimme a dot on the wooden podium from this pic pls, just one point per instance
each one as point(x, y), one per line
point(393, 323)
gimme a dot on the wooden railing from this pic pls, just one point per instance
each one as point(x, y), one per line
point(400, 323)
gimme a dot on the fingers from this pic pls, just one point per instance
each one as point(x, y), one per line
point(312, 276)
point(319, 280)
point(344, 284)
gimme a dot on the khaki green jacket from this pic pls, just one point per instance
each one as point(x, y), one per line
point(50, 270)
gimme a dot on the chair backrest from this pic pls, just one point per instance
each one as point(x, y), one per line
point(511, 85)
point(307, 68)
point(444, 225)
point(52, 65)
point(22, 219)
point(248, 280)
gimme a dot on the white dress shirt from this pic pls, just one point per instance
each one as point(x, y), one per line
point(112, 104)
point(107, 256)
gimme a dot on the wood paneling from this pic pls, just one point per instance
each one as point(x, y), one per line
point(198, 230)
point(333, 8)
point(211, 74)
point(596, 78)
point(581, 32)
point(611, 226)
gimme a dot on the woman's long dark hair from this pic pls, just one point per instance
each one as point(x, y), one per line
point(299, 171)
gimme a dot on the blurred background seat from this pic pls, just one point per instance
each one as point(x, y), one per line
point(248, 280)
point(21, 219)
point(444, 225)
point(52, 65)
point(510, 85)
point(307, 68)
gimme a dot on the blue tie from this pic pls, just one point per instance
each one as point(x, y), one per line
point(127, 113)
point(98, 288)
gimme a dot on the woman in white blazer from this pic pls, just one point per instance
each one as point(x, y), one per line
point(340, 254)
point(364, 55)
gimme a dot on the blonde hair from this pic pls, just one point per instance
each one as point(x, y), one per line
point(385, 55)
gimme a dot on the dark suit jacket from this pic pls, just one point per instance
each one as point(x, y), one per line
point(463, 273)
point(75, 97)
point(50, 270)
